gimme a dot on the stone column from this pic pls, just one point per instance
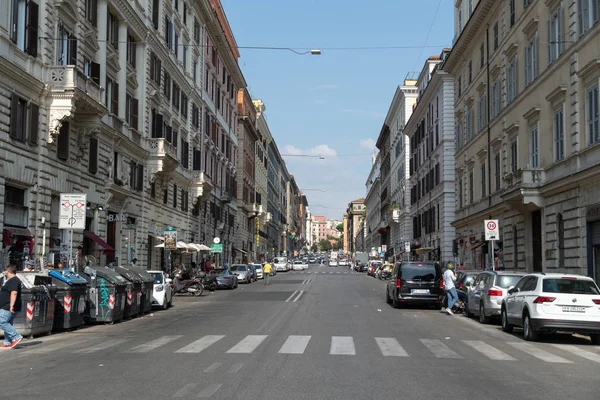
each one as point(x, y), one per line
point(122, 76)
point(101, 54)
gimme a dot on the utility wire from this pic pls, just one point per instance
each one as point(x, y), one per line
point(428, 33)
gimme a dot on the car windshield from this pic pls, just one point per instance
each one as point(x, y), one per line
point(571, 286)
point(418, 272)
point(297, 262)
point(506, 281)
point(257, 266)
point(158, 277)
point(239, 268)
point(280, 260)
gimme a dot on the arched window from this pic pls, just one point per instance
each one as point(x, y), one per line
point(560, 237)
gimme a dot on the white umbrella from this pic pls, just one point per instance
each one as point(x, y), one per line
point(180, 246)
point(203, 247)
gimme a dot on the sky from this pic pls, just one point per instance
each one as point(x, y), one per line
point(333, 104)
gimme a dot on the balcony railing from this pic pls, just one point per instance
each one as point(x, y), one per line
point(68, 78)
point(160, 147)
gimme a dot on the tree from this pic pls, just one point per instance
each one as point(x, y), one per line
point(340, 227)
point(324, 245)
point(314, 248)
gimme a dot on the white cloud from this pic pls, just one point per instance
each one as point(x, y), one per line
point(367, 144)
point(320, 150)
point(372, 114)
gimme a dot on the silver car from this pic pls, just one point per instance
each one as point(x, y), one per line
point(244, 274)
point(259, 271)
point(485, 295)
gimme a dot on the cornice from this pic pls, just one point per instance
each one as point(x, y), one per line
point(557, 94)
point(132, 17)
point(532, 113)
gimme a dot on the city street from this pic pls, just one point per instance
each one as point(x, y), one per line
point(323, 333)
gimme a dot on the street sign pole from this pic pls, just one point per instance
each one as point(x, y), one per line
point(492, 233)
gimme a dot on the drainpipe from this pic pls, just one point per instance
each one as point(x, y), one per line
point(489, 140)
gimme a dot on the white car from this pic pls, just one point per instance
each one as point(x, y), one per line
point(333, 263)
point(259, 271)
point(298, 266)
point(281, 264)
point(343, 262)
point(553, 302)
point(162, 295)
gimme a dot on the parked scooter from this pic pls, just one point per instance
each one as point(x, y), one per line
point(192, 286)
point(459, 306)
point(208, 282)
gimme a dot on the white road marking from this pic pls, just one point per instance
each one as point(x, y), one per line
point(342, 345)
point(489, 351)
point(235, 368)
point(213, 367)
point(390, 347)
point(102, 346)
point(53, 347)
point(154, 344)
point(579, 352)
point(292, 295)
point(298, 297)
point(539, 353)
point(210, 390)
point(200, 344)
point(439, 349)
point(248, 344)
point(295, 344)
point(183, 392)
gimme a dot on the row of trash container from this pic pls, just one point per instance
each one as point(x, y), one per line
point(62, 299)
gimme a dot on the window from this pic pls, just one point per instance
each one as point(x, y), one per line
point(167, 85)
point(184, 56)
point(497, 171)
point(482, 55)
point(184, 200)
point(588, 14)
point(559, 134)
point(112, 31)
point(131, 111)
point(496, 34)
point(195, 116)
point(483, 181)
point(62, 144)
point(526, 3)
point(459, 84)
point(470, 70)
point(174, 196)
point(25, 19)
point(184, 106)
point(155, 13)
point(155, 68)
point(112, 96)
point(93, 157)
point(195, 70)
point(511, 78)
point(531, 60)
point(153, 190)
point(67, 47)
point(24, 120)
point(157, 124)
point(534, 160)
point(117, 168)
point(168, 32)
point(495, 99)
point(593, 111)
point(471, 194)
point(458, 133)
point(91, 11)
point(469, 127)
point(511, 11)
point(197, 160)
point(176, 45)
point(513, 156)
point(196, 31)
point(555, 35)
point(470, 7)
point(136, 176)
point(176, 96)
point(185, 154)
point(131, 50)
point(481, 113)
point(459, 20)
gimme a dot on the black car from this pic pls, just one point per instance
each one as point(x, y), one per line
point(414, 282)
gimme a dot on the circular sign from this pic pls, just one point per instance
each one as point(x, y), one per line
point(491, 226)
point(217, 240)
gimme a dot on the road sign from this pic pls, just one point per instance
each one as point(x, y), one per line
point(384, 248)
point(382, 255)
point(407, 247)
point(217, 240)
point(171, 238)
point(216, 248)
point(492, 232)
point(72, 211)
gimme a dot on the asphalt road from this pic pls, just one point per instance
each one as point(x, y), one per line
point(325, 333)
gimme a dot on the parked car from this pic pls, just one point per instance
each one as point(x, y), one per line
point(259, 271)
point(312, 260)
point(253, 270)
point(281, 264)
point(333, 263)
point(372, 267)
point(297, 265)
point(225, 279)
point(243, 272)
point(162, 294)
point(485, 297)
point(414, 282)
point(542, 302)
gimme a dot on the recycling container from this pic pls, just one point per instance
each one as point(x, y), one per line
point(105, 294)
point(134, 291)
point(37, 305)
point(147, 288)
point(71, 293)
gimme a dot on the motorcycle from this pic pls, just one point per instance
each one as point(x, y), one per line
point(191, 286)
point(208, 282)
point(458, 307)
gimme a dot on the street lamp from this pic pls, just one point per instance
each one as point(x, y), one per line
point(315, 52)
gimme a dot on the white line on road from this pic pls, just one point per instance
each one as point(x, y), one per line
point(539, 353)
point(248, 344)
point(390, 347)
point(200, 344)
point(183, 392)
point(579, 352)
point(235, 368)
point(210, 390)
point(292, 295)
point(154, 344)
point(489, 351)
point(342, 345)
point(53, 347)
point(213, 367)
point(439, 349)
point(298, 297)
point(102, 346)
point(295, 344)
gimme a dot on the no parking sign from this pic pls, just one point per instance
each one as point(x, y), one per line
point(492, 232)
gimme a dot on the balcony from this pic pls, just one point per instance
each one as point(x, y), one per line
point(523, 192)
point(72, 93)
point(162, 157)
point(226, 196)
point(200, 185)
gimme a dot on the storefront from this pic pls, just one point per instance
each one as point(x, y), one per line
point(17, 239)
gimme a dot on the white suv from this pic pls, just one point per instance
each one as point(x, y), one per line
point(553, 302)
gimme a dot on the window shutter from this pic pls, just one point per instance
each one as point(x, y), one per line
point(62, 144)
point(32, 29)
point(14, 116)
point(134, 113)
point(158, 127)
point(132, 174)
point(140, 177)
point(559, 30)
point(115, 98)
point(72, 50)
point(93, 158)
point(34, 124)
point(169, 134)
point(155, 13)
point(95, 72)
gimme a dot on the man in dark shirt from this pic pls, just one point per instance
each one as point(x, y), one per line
point(10, 305)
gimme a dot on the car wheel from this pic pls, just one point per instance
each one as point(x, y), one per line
point(595, 339)
point(482, 318)
point(165, 303)
point(468, 312)
point(506, 326)
point(528, 333)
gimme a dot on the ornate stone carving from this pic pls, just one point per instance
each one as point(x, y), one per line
point(125, 173)
point(55, 121)
point(151, 178)
point(83, 139)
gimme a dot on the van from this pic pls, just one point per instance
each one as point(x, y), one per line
point(415, 282)
point(280, 264)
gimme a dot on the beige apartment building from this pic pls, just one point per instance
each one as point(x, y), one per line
point(527, 112)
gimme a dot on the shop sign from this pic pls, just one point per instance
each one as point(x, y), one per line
point(72, 211)
point(170, 238)
point(116, 218)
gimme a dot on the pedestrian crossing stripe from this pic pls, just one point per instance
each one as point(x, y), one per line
point(296, 345)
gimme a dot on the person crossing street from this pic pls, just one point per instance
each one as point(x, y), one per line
point(267, 272)
point(449, 279)
point(10, 305)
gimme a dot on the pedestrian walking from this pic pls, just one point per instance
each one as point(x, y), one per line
point(451, 295)
point(267, 272)
point(10, 305)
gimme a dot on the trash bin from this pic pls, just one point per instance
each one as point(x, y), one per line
point(37, 310)
point(71, 293)
point(133, 292)
point(147, 288)
point(106, 294)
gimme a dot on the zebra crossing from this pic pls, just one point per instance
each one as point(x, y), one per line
point(325, 272)
point(299, 345)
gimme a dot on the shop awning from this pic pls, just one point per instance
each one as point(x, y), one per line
point(424, 250)
point(240, 250)
point(18, 231)
point(96, 239)
point(478, 245)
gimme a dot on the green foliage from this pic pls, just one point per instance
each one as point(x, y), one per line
point(324, 245)
point(340, 227)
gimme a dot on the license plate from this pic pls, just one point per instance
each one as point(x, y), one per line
point(573, 309)
point(419, 291)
